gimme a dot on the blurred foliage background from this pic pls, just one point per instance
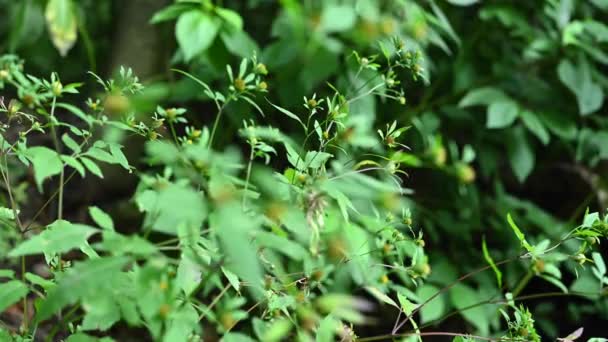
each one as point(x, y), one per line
point(507, 111)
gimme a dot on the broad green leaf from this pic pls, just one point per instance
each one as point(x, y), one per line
point(327, 329)
point(182, 324)
point(7, 213)
point(38, 280)
point(520, 153)
point(502, 114)
point(73, 162)
point(80, 281)
point(173, 11)
point(62, 24)
point(11, 292)
point(188, 274)
point(281, 244)
point(234, 229)
point(7, 274)
point(535, 125)
point(101, 312)
point(463, 2)
point(171, 206)
point(577, 78)
point(464, 298)
point(599, 262)
point(482, 96)
point(435, 308)
point(240, 43)
point(231, 17)
point(101, 218)
point(46, 163)
point(195, 31)
point(337, 18)
point(60, 237)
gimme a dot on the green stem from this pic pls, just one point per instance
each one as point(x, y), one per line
point(523, 282)
point(216, 123)
point(248, 176)
point(173, 133)
point(58, 150)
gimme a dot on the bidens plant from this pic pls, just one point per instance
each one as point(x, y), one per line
point(265, 248)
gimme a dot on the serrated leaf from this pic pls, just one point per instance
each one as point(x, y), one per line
point(11, 292)
point(46, 163)
point(60, 237)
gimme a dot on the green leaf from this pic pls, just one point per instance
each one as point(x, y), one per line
point(62, 24)
point(233, 228)
point(490, 261)
point(520, 236)
point(188, 274)
point(173, 11)
point(520, 153)
point(502, 114)
point(435, 308)
point(289, 114)
point(463, 2)
point(101, 218)
point(240, 43)
point(46, 163)
point(195, 31)
point(38, 280)
point(578, 79)
point(171, 206)
point(76, 111)
point(73, 162)
point(11, 292)
point(82, 280)
point(91, 166)
point(60, 237)
point(69, 142)
point(337, 18)
point(230, 17)
point(463, 298)
point(7, 213)
point(482, 96)
point(281, 244)
point(7, 274)
point(599, 262)
point(381, 296)
point(535, 125)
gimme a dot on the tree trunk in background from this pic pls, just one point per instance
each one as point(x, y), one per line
point(137, 43)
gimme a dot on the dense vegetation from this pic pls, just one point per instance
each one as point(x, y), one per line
point(336, 170)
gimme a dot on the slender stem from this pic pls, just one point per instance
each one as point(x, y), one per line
point(25, 313)
point(215, 300)
point(449, 286)
point(216, 123)
point(248, 176)
point(523, 282)
point(58, 149)
point(173, 133)
point(433, 333)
